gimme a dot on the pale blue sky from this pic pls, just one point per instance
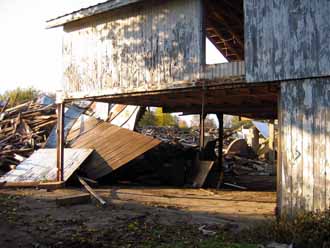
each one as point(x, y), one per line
point(30, 55)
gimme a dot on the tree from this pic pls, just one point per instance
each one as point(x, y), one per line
point(165, 119)
point(182, 124)
point(209, 123)
point(236, 123)
point(194, 122)
point(19, 95)
point(148, 119)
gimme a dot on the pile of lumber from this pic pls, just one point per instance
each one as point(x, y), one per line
point(23, 129)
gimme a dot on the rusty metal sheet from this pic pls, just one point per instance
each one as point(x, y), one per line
point(41, 166)
point(114, 146)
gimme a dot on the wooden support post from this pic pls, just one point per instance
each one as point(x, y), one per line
point(220, 148)
point(255, 139)
point(202, 131)
point(271, 144)
point(60, 142)
point(202, 117)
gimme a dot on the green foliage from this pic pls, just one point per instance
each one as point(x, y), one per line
point(305, 231)
point(19, 95)
point(236, 123)
point(148, 119)
point(165, 119)
point(208, 122)
point(158, 118)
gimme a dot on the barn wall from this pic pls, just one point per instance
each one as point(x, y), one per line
point(286, 39)
point(143, 47)
point(305, 145)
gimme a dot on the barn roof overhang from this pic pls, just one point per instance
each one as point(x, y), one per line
point(258, 100)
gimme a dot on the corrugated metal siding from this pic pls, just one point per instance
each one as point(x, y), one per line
point(136, 48)
point(286, 39)
point(305, 145)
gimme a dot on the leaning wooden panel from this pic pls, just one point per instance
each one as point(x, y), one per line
point(114, 146)
point(148, 46)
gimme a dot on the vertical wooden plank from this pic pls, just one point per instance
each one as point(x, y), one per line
point(286, 148)
point(298, 152)
point(327, 146)
point(316, 144)
point(60, 142)
point(279, 184)
point(322, 87)
point(308, 174)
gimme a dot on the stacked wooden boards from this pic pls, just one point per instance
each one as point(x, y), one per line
point(113, 146)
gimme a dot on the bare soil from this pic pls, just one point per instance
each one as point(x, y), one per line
point(134, 217)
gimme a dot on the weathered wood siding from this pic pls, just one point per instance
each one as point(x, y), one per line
point(224, 70)
point(148, 46)
point(286, 39)
point(305, 145)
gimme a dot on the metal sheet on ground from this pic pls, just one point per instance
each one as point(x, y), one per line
point(41, 166)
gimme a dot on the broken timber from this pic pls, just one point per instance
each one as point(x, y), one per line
point(92, 192)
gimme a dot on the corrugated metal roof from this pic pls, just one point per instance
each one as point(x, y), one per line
point(41, 166)
point(114, 146)
point(88, 11)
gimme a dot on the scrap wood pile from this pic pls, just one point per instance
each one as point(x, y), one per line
point(238, 166)
point(188, 137)
point(23, 128)
point(172, 135)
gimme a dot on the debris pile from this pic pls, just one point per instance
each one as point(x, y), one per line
point(238, 166)
point(186, 137)
point(23, 129)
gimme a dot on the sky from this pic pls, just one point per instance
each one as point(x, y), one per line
point(30, 54)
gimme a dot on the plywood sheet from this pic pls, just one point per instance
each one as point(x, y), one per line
point(41, 166)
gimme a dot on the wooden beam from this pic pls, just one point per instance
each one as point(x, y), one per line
point(60, 142)
point(92, 192)
point(220, 148)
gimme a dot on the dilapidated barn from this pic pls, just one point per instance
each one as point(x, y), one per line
point(152, 53)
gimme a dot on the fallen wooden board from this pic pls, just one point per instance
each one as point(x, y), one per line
point(92, 192)
point(114, 146)
point(41, 166)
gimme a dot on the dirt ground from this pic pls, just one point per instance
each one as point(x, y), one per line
point(31, 218)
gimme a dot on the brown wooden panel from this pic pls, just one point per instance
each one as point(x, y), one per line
point(114, 146)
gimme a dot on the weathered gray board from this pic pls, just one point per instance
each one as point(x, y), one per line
point(41, 166)
point(304, 176)
point(286, 39)
point(146, 47)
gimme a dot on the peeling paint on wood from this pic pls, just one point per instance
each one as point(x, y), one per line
point(134, 48)
point(305, 140)
point(286, 39)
